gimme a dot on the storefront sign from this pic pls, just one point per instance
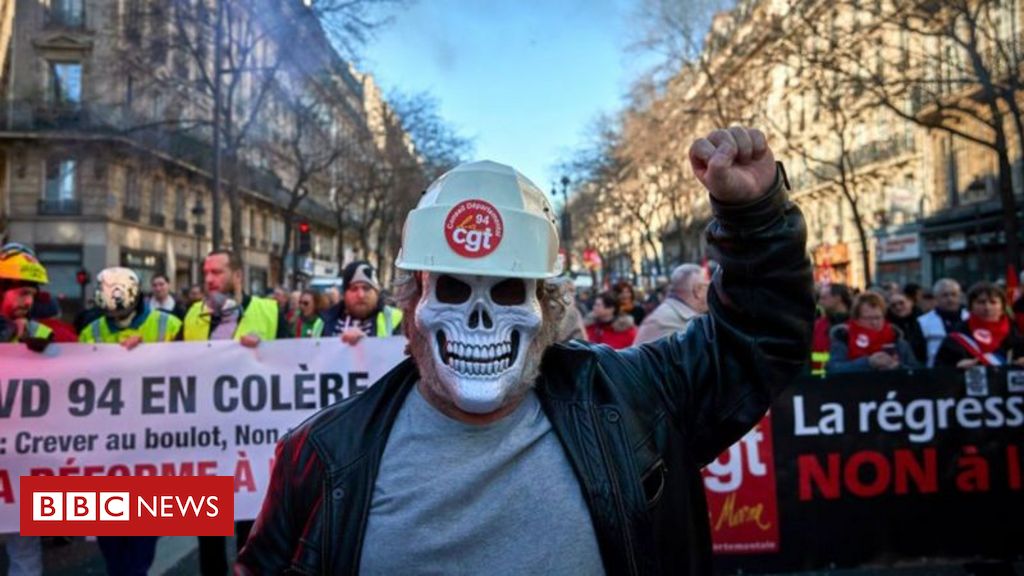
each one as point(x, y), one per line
point(899, 247)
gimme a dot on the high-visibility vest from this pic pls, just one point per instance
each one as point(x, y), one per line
point(821, 346)
point(156, 326)
point(34, 329)
point(387, 320)
point(259, 317)
point(315, 331)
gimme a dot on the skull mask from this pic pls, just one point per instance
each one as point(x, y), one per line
point(117, 293)
point(480, 330)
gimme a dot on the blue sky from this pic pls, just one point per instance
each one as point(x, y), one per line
point(523, 79)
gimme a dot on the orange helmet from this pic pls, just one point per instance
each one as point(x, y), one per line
point(19, 263)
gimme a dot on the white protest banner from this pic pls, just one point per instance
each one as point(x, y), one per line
point(181, 409)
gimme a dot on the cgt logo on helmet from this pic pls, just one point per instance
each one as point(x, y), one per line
point(473, 228)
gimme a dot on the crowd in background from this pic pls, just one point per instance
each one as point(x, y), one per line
point(884, 327)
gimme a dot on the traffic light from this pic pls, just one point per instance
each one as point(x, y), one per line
point(82, 277)
point(305, 242)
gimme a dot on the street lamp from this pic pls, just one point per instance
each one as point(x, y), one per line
point(198, 211)
point(566, 222)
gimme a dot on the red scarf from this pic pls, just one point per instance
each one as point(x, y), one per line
point(988, 335)
point(863, 342)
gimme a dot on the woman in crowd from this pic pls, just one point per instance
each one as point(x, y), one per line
point(609, 325)
point(628, 303)
point(867, 341)
point(990, 338)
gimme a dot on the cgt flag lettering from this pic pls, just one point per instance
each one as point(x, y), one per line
point(127, 506)
point(740, 488)
point(178, 409)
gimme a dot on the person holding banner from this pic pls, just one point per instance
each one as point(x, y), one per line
point(868, 341)
point(127, 318)
point(989, 337)
point(361, 312)
point(129, 321)
point(227, 313)
point(21, 275)
point(496, 449)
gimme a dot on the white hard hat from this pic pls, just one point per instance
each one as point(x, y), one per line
point(117, 290)
point(482, 218)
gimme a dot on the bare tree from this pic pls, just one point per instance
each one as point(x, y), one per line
point(305, 159)
point(957, 71)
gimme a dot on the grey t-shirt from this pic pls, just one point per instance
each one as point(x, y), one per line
point(453, 498)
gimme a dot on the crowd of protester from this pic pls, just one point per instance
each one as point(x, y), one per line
point(124, 313)
point(884, 327)
point(888, 327)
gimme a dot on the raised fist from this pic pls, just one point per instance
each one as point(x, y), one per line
point(735, 165)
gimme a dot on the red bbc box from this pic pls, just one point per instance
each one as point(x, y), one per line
point(127, 505)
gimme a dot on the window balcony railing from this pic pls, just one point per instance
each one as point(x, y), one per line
point(180, 225)
point(62, 206)
point(156, 219)
point(132, 213)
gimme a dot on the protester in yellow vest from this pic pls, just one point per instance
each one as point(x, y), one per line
point(21, 275)
point(227, 313)
point(127, 319)
point(361, 312)
point(307, 323)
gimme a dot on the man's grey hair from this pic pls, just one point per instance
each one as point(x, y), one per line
point(683, 278)
point(945, 283)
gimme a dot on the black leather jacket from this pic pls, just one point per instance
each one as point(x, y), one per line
point(637, 425)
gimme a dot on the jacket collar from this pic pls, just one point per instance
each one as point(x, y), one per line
point(676, 304)
point(562, 369)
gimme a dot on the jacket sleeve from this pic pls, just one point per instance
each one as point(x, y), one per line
point(907, 357)
point(718, 378)
point(950, 352)
point(271, 541)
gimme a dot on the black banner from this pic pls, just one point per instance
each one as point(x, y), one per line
point(880, 468)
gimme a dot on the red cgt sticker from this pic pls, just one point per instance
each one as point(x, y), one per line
point(473, 228)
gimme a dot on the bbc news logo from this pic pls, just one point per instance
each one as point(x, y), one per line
point(127, 505)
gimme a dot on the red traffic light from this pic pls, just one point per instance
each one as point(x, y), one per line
point(82, 277)
point(304, 227)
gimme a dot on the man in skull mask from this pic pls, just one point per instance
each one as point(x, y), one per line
point(493, 449)
point(127, 319)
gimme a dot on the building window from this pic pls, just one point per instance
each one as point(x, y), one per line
point(65, 84)
point(62, 263)
point(156, 205)
point(60, 191)
point(132, 200)
point(66, 13)
point(145, 264)
point(180, 215)
point(257, 280)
